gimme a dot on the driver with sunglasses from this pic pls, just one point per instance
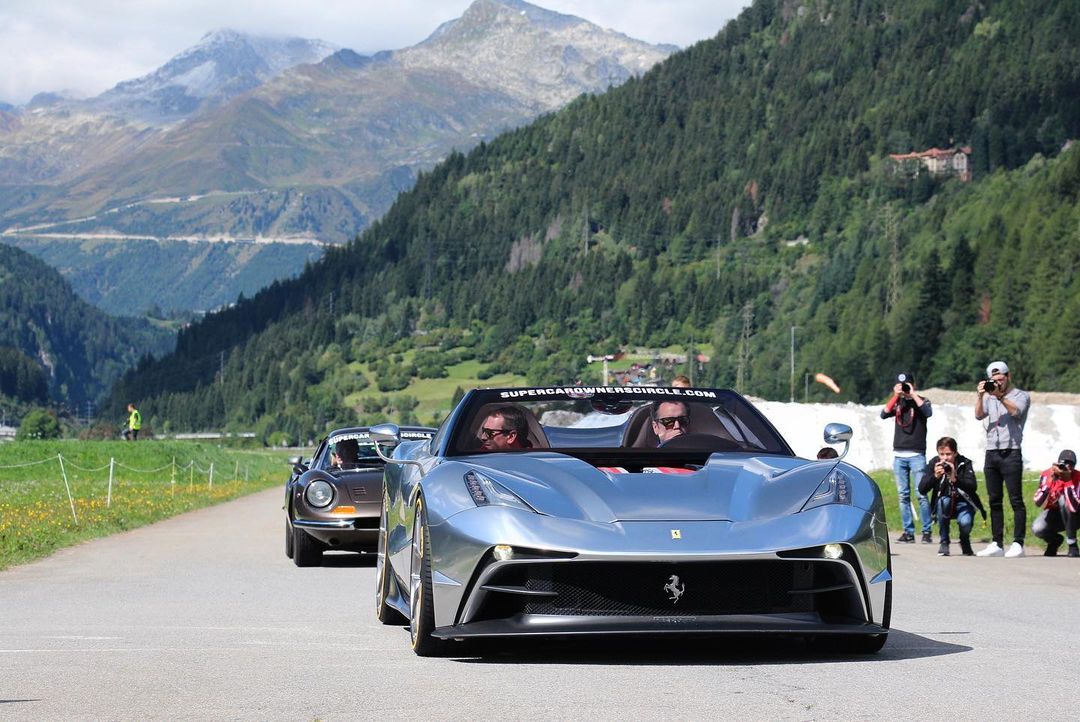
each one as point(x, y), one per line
point(670, 419)
point(504, 429)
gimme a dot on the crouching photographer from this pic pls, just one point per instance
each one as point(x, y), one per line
point(950, 481)
point(1057, 494)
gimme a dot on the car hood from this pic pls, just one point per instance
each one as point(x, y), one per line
point(728, 488)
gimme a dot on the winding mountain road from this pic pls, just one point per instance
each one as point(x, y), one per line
point(202, 617)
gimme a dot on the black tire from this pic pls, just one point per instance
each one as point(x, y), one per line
point(307, 552)
point(288, 539)
point(421, 598)
point(383, 611)
point(857, 643)
point(849, 644)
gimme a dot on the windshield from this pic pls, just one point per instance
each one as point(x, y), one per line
point(348, 449)
point(609, 419)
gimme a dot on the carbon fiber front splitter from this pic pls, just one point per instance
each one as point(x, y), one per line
point(524, 625)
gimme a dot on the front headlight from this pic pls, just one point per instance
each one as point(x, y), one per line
point(486, 492)
point(319, 494)
point(834, 489)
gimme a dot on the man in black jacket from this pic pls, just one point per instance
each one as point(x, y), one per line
point(909, 412)
point(950, 481)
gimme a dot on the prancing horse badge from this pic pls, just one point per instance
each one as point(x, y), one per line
point(675, 588)
point(676, 534)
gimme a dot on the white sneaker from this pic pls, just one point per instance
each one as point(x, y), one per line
point(993, 550)
point(1015, 550)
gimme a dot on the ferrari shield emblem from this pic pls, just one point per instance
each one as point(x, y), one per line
point(676, 534)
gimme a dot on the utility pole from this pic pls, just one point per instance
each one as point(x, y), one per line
point(744, 347)
point(429, 262)
point(692, 360)
point(221, 367)
point(585, 235)
point(605, 358)
point(892, 238)
point(793, 363)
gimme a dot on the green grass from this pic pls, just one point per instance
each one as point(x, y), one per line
point(36, 513)
point(434, 395)
point(980, 532)
point(36, 516)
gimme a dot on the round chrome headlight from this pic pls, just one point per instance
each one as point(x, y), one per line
point(319, 494)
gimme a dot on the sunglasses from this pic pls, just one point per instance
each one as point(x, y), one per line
point(669, 422)
point(488, 434)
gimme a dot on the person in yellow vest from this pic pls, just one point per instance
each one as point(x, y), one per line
point(131, 433)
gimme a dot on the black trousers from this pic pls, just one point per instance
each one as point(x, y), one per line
point(1051, 522)
point(1005, 466)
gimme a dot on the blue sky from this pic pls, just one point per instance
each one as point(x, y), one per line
point(87, 46)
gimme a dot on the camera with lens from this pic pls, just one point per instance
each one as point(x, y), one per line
point(905, 388)
point(947, 467)
point(990, 386)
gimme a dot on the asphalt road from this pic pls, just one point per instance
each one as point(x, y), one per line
point(203, 617)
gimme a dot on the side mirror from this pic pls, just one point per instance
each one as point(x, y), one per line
point(385, 434)
point(297, 463)
point(390, 434)
point(835, 433)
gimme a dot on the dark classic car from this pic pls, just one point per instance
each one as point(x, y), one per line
point(333, 502)
point(627, 510)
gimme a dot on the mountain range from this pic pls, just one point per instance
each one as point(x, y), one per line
point(739, 195)
point(250, 138)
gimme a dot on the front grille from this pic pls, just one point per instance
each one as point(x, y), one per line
point(780, 586)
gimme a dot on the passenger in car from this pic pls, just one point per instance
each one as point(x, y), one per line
point(669, 420)
point(346, 454)
point(505, 428)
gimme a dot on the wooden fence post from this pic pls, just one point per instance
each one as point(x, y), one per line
point(67, 486)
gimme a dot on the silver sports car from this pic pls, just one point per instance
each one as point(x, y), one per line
point(626, 510)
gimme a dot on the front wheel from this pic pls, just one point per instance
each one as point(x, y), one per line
point(421, 595)
point(288, 539)
point(858, 643)
point(307, 552)
point(383, 611)
point(849, 643)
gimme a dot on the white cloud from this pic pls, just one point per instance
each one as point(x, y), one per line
point(88, 46)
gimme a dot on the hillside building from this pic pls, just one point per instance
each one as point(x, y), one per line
point(937, 161)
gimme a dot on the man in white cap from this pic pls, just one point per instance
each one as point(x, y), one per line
point(1003, 410)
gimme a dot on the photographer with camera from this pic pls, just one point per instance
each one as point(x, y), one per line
point(1003, 409)
point(950, 480)
point(910, 411)
point(1057, 494)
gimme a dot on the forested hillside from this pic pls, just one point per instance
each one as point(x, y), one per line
point(738, 190)
point(128, 277)
point(53, 344)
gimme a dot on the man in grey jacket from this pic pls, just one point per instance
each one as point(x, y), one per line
point(1003, 409)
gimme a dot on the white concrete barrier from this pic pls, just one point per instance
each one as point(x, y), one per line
point(1050, 428)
